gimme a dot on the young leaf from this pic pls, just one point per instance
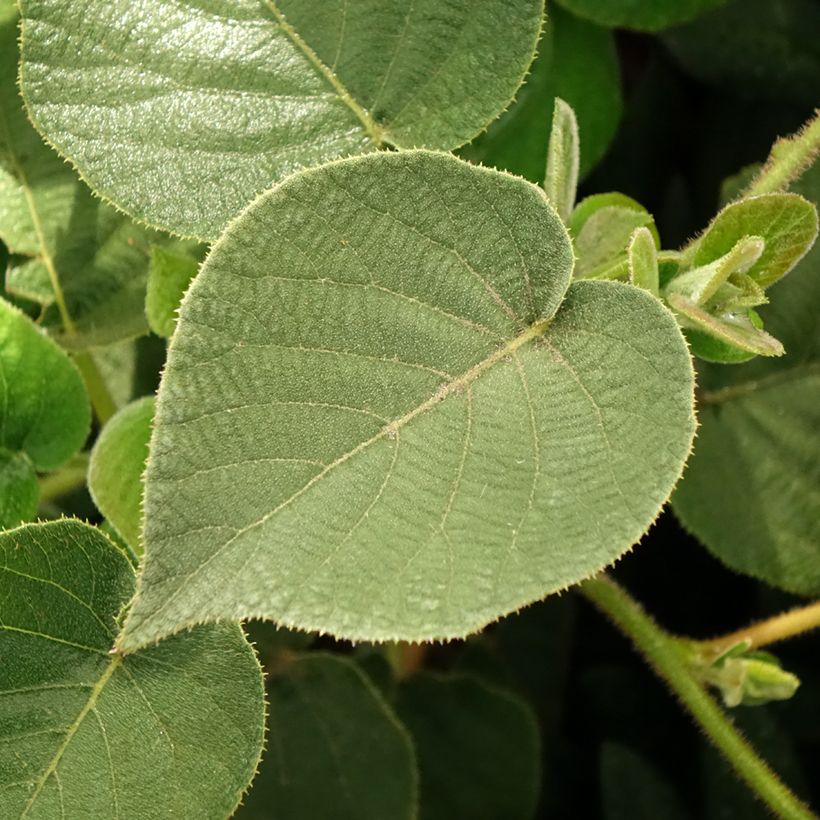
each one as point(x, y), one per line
point(44, 411)
point(335, 748)
point(787, 224)
point(643, 261)
point(399, 351)
point(313, 81)
point(749, 492)
point(169, 275)
point(602, 226)
point(561, 181)
point(174, 731)
point(116, 468)
point(577, 62)
point(478, 748)
point(79, 257)
point(639, 14)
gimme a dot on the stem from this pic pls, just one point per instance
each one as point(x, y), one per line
point(101, 398)
point(405, 658)
point(66, 479)
point(779, 628)
point(788, 159)
point(667, 657)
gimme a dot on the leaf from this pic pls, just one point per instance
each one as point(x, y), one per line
point(335, 748)
point(639, 14)
point(370, 425)
point(44, 412)
point(313, 81)
point(602, 226)
point(561, 181)
point(787, 223)
point(577, 62)
point(97, 257)
point(478, 748)
point(172, 731)
point(169, 275)
point(643, 261)
point(116, 468)
point(765, 49)
point(19, 490)
point(633, 789)
point(750, 490)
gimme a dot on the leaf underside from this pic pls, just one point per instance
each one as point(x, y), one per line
point(369, 424)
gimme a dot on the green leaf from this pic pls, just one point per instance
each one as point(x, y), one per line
point(633, 789)
point(643, 261)
point(44, 412)
point(643, 15)
point(478, 748)
point(335, 748)
point(313, 81)
point(602, 226)
point(577, 62)
point(750, 491)
point(169, 275)
point(86, 260)
point(19, 490)
point(398, 352)
point(174, 731)
point(116, 468)
point(763, 49)
point(787, 223)
point(561, 181)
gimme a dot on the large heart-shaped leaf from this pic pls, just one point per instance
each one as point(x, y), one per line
point(77, 256)
point(373, 422)
point(182, 112)
point(174, 731)
point(44, 412)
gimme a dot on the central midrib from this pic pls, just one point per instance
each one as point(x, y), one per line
point(93, 697)
point(534, 332)
point(371, 127)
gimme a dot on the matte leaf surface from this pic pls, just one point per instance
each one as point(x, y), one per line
point(159, 103)
point(169, 275)
point(372, 422)
point(750, 490)
point(116, 468)
point(478, 748)
point(171, 732)
point(577, 62)
point(335, 748)
point(644, 15)
point(44, 411)
point(96, 257)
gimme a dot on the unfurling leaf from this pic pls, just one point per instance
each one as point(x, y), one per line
point(374, 423)
point(643, 261)
point(44, 410)
point(174, 731)
point(201, 106)
point(561, 180)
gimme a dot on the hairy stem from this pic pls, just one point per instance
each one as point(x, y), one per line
point(67, 478)
point(779, 628)
point(667, 656)
point(788, 159)
point(101, 399)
